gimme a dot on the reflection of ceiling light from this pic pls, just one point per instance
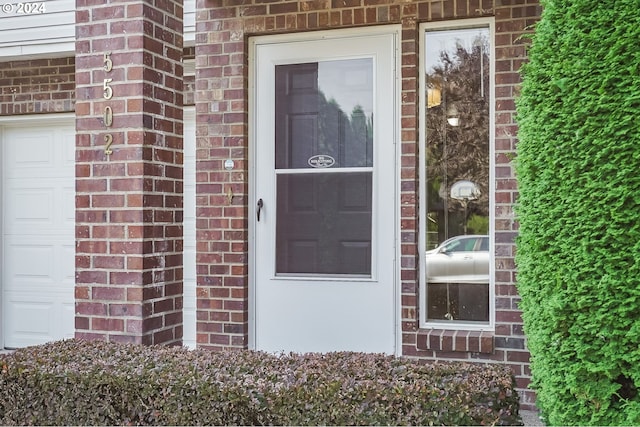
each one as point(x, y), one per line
point(452, 116)
point(434, 97)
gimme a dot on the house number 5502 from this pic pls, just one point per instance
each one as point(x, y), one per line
point(107, 93)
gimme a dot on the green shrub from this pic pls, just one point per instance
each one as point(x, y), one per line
point(578, 251)
point(96, 383)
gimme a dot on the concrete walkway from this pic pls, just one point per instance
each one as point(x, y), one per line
point(531, 418)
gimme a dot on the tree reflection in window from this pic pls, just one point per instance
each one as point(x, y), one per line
point(320, 110)
point(457, 67)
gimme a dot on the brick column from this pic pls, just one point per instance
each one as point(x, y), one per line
point(222, 212)
point(129, 171)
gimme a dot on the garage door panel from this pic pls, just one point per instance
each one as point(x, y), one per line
point(38, 264)
point(46, 149)
point(68, 317)
point(30, 207)
point(25, 314)
point(37, 318)
point(32, 149)
point(29, 262)
point(68, 210)
point(69, 151)
point(36, 209)
point(67, 270)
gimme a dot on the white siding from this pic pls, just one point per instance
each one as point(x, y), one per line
point(37, 33)
point(189, 22)
point(53, 32)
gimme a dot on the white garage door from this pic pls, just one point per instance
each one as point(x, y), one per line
point(37, 264)
point(38, 212)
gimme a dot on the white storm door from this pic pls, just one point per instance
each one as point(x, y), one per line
point(38, 231)
point(323, 201)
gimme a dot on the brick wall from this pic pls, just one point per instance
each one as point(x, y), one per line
point(37, 86)
point(513, 18)
point(48, 85)
point(222, 32)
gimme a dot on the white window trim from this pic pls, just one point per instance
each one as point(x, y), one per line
point(422, 225)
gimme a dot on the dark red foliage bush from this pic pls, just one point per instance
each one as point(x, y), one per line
point(96, 383)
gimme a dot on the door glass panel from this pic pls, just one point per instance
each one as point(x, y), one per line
point(324, 114)
point(457, 66)
point(324, 120)
point(324, 223)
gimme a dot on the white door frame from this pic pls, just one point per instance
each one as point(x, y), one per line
point(15, 121)
point(311, 36)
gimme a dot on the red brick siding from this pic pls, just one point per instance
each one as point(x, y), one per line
point(129, 204)
point(513, 18)
point(37, 86)
point(49, 85)
point(222, 32)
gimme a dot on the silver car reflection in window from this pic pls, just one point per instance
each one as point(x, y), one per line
point(460, 259)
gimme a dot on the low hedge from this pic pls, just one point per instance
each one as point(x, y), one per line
point(76, 382)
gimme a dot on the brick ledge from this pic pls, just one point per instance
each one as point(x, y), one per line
point(449, 340)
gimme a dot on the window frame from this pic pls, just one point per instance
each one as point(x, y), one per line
point(424, 323)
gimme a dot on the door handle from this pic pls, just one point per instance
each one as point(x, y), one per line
point(259, 208)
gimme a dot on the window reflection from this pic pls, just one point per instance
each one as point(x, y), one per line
point(457, 174)
point(324, 109)
point(324, 120)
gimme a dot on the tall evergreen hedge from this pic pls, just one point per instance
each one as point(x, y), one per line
point(578, 253)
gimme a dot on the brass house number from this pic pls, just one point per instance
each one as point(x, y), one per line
point(108, 112)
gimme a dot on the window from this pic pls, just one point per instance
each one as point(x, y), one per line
point(456, 178)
